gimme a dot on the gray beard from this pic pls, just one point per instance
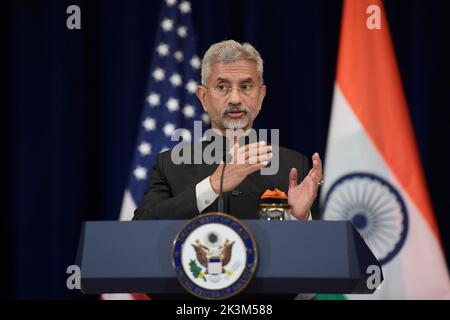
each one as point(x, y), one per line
point(239, 124)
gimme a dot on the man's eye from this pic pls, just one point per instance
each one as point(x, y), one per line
point(246, 87)
point(222, 87)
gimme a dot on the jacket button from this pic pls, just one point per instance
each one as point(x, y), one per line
point(235, 192)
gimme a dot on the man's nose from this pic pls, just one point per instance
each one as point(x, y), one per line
point(234, 96)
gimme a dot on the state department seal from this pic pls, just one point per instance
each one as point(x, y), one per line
point(214, 256)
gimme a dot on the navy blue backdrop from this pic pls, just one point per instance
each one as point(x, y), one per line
point(74, 99)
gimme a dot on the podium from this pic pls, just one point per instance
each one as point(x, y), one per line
point(294, 257)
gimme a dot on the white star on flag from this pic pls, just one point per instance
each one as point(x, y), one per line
point(145, 148)
point(205, 118)
point(140, 173)
point(172, 104)
point(149, 124)
point(188, 111)
point(191, 86)
point(195, 62)
point(153, 99)
point(158, 74)
point(182, 32)
point(178, 56)
point(167, 24)
point(163, 49)
point(170, 2)
point(185, 7)
point(168, 129)
point(175, 80)
point(186, 135)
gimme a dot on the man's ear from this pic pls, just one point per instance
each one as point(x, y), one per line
point(201, 95)
point(262, 94)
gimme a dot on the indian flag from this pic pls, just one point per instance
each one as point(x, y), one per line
point(373, 174)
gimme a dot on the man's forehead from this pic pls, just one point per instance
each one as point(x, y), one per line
point(237, 70)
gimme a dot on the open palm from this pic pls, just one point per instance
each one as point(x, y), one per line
point(301, 196)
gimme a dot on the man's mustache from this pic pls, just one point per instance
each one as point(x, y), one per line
point(235, 108)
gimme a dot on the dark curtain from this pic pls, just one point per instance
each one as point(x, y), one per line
point(74, 98)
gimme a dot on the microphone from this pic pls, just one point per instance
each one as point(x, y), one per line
point(227, 158)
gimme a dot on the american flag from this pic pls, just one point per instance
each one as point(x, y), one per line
point(170, 104)
point(170, 100)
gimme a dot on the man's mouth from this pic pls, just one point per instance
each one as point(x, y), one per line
point(235, 114)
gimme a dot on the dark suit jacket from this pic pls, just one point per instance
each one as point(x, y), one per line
point(171, 193)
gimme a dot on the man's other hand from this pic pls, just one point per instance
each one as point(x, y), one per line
point(301, 196)
point(244, 161)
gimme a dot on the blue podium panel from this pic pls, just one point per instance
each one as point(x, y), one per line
point(294, 257)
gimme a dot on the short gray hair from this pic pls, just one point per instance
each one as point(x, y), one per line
point(229, 51)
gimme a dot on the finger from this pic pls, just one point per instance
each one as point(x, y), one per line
point(293, 178)
point(316, 171)
point(234, 151)
point(258, 151)
point(317, 162)
point(244, 152)
point(250, 146)
point(256, 167)
point(314, 175)
point(259, 158)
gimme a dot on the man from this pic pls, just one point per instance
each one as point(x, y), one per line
point(232, 93)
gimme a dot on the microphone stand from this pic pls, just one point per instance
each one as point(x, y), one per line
point(220, 200)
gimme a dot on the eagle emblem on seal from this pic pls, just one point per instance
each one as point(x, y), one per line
point(213, 255)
